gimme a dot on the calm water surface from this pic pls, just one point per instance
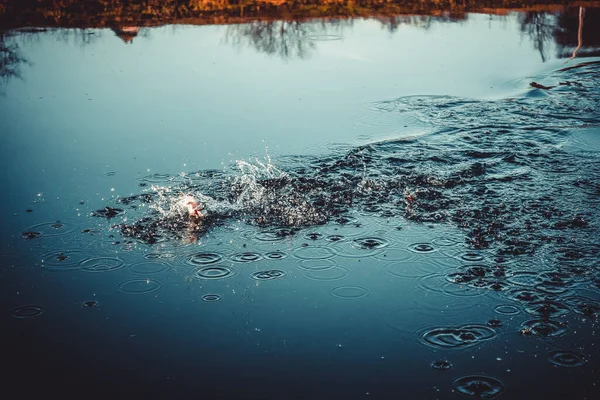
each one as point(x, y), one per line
point(392, 211)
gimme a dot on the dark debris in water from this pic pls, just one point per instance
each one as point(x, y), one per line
point(496, 169)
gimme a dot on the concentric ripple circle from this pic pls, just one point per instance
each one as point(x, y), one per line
point(211, 298)
point(330, 274)
point(203, 258)
point(102, 264)
point(246, 257)
point(66, 260)
point(55, 228)
point(422, 248)
point(268, 275)
point(275, 255)
point(479, 386)
point(566, 358)
point(158, 256)
point(507, 309)
point(29, 311)
point(370, 243)
point(464, 336)
point(215, 272)
point(543, 328)
point(149, 267)
point(139, 286)
point(90, 304)
point(313, 253)
point(349, 292)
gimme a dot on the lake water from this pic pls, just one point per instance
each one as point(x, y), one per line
point(391, 209)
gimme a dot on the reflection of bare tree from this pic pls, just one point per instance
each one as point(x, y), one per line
point(10, 58)
point(392, 23)
point(281, 38)
point(540, 27)
point(578, 29)
point(286, 39)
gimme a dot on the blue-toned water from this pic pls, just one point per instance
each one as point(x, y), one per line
point(390, 214)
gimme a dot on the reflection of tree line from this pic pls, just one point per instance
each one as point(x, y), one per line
point(108, 13)
point(288, 28)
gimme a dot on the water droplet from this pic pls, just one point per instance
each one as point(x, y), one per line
point(158, 256)
point(441, 365)
point(479, 386)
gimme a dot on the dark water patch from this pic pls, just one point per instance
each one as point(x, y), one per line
point(583, 306)
point(506, 309)
point(211, 298)
point(213, 272)
point(543, 328)
point(313, 253)
point(149, 267)
point(334, 273)
point(139, 286)
point(107, 212)
point(203, 258)
point(439, 283)
point(349, 292)
point(92, 231)
point(90, 304)
point(274, 235)
point(547, 308)
point(28, 311)
point(66, 260)
point(9, 261)
point(102, 264)
point(246, 257)
point(566, 358)
point(441, 365)
point(554, 282)
point(275, 255)
point(465, 336)
point(31, 235)
point(479, 386)
point(526, 296)
point(268, 275)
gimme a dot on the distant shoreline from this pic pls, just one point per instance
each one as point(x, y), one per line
point(16, 14)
